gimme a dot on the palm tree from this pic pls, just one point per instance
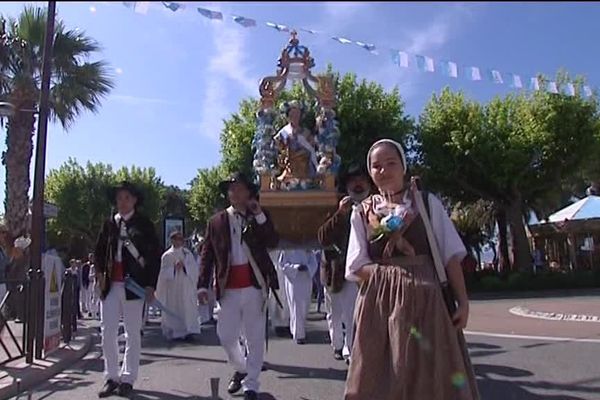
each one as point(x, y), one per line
point(77, 85)
point(474, 223)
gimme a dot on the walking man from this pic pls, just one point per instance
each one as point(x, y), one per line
point(127, 247)
point(236, 251)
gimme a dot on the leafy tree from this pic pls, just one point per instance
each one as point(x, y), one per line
point(510, 151)
point(81, 194)
point(205, 198)
point(77, 85)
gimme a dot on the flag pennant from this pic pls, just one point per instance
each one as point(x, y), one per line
point(341, 40)
point(552, 87)
point(534, 84)
point(496, 76)
point(570, 89)
point(245, 22)
point(587, 91)
point(367, 46)
point(308, 31)
point(425, 63)
point(280, 28)
point(474, 73)
point(210, 14)
point(449, 68)
point(516, 81)
point(140, 7)
point(400, 58)
point(171, 5)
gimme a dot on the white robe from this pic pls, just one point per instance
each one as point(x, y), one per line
point(280, 316)
point(298, 286)
point(176, 290)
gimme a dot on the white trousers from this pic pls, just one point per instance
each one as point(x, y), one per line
point(85, 298)
point(340, 309)
point(241, 315)
point(299, 293)
point(112, 308)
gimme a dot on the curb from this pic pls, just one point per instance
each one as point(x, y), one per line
point(551, 316)
point(33, 379)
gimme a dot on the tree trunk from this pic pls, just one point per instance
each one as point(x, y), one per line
point(521, 249)
point(504, 259)
point(17, 159)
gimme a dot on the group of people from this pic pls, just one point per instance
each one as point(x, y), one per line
point(86, 295)
point(381, 256)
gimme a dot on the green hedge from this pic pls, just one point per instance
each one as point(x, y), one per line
point(522, 281)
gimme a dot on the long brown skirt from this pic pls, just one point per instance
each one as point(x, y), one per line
point(405, 346)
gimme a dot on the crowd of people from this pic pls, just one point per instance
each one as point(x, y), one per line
point(390, 266)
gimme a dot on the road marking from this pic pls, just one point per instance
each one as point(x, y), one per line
point(527, 337)
point(525, 312)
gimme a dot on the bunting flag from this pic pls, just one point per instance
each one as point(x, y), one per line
point(280, 28)
point(341, 40)
point(171, 5)
point(474, 73)
point(210, 14)
point(400, 58)
point(425, 63)
point(496, 76)
point(534, 84)
point(245, 22)
point(369, 47)
point(140, 7)
point(449, 68)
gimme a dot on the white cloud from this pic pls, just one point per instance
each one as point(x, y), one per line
point(228, 66)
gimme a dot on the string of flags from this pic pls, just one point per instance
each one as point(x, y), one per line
point(400, 58)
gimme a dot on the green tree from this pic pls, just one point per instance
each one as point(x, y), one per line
point(77, 85)
point(205, 198)
point(81, 194)
point(510, 151)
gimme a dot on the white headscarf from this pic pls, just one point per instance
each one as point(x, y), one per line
point(387, 141)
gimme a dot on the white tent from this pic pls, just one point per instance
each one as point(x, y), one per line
point(586, 208)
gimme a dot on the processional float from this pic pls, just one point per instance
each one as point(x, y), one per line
point(296, 166)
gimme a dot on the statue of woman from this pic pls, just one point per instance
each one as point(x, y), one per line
point(297, 147)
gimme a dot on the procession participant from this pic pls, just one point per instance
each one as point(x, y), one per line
point(236, 251)
point(95, 293)
point(176, 289)
point(85, 291)
point(280, 314)
point(127, 247)
point(299, 266)
point(407, 345)
point(340, 294)
point(206, 311)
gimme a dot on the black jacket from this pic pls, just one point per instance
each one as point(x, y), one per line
point(143, 235)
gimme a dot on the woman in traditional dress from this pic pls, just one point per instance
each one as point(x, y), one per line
point(407, 346)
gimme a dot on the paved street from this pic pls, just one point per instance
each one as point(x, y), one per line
point(507, 368)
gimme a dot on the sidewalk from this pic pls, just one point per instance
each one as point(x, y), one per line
point(18, 376)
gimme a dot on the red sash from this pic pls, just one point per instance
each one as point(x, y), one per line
point(118, 274)
point(240, 276)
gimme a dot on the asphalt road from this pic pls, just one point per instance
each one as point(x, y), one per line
point(506, 368)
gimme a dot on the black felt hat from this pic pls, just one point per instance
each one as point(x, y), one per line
point(128, 187)
point(352, 171)
point(238, 177)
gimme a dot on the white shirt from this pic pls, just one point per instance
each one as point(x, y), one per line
point(122, 232)
point(237, 256)
point(447, 238)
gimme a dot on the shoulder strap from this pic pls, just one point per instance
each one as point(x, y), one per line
point(425, 195)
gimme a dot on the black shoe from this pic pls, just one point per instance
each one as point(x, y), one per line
point(235, 384)
point(250, 395)
point(125, 390)
point(108, 389)
point(300, 341)
point(337, 354)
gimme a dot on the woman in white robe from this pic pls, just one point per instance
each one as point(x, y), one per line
point(176, 290)
point(299, 267)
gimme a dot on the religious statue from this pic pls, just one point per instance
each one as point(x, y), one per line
point(297, 149)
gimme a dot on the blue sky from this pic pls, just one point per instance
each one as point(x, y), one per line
point(179, 75)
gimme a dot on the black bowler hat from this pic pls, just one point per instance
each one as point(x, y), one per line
point(128, 187)
point(352, 171)
point(238, 177)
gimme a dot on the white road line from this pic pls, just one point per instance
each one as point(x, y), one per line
point(525, 312)
point(527, 337)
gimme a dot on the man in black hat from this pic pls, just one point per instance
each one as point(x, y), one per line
point(127, 247)
point(235, 249)
point(340, 294)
